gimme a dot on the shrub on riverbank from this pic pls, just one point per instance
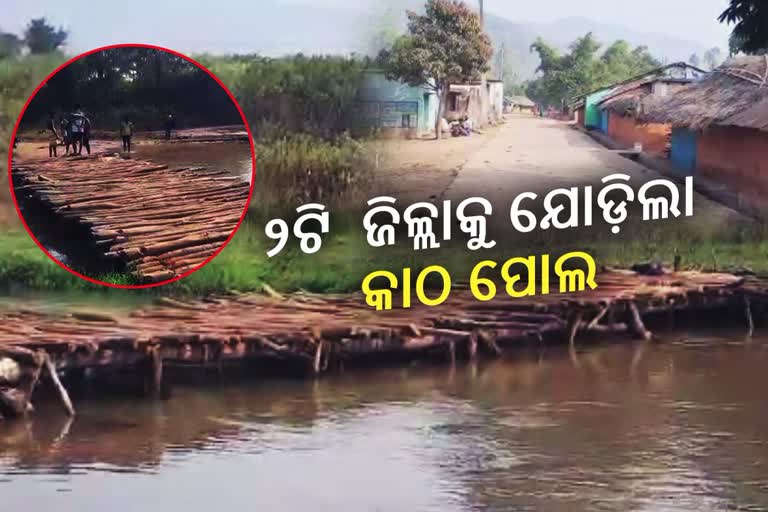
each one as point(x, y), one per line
point(296, 169)
point(299, 94)
point(18, 78)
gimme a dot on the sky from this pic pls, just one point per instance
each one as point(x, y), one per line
point(235, 25)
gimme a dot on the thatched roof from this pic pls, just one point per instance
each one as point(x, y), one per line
point(735, 94)
point(627, 96)
point(522, 101)
point(654, 73)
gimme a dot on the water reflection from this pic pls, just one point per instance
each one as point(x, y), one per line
point(233, 157)
point(674, 426)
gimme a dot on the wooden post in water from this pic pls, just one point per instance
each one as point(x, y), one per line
point(636, 323)
point(155, 371)
point(61, 391)
point(748, 313)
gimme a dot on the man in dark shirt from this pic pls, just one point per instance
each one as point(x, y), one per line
point(169, 124)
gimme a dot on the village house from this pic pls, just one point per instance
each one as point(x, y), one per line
point(720, 125)
point(466, 100)
point(618, 109)
point(518, 104)
point(394, 108)
point(397, 109)
point(587, 107)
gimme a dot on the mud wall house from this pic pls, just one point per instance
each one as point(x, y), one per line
point(577, 109)
point(496, 99)
point(393, 108)
point(720, 125)
point(467, 99)
point(619, 109)
point(595, 118)
point(518, 105)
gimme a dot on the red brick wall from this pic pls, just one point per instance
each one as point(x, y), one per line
point(581, 116)
point(624, 130)
point(735, 156)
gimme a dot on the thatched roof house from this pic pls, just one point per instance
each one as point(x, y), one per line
point(632, 96)
point(735, 94)
point(519, 101)
point(592, 101)
point(720, 126)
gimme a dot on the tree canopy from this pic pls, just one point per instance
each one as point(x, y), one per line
point(750, 20)
point(142, 83)
point(445, 45)
point(712, 59)
point(40, 37)
point(583, 68)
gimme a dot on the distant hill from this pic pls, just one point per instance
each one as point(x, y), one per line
point(282, 27)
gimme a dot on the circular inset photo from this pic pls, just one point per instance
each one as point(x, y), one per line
point(132, 166)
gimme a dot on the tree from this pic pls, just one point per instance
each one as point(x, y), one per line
point(10, 45)
point(694, 60)
point(750, 20)
point(583, 69)
point(40, 37)
point(445, 45)
point(713, 58)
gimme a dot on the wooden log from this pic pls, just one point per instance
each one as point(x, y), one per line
point(575, 322)
point(156, 370)
point(14, 403)
point(10, 372)
point(636, 323)
point(748, 314)
point(61, 391)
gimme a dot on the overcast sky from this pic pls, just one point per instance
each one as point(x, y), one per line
point(232, 25)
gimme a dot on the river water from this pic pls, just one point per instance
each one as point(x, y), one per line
point(234, 157)
point(680, 425)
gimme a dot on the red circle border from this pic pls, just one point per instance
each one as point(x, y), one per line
point(250, 142)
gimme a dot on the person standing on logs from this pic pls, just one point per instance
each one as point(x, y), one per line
point(65, 135)
point(53, 136)
point(86, 136)
point(169, 124)
point(76, 129)
point(126, 132)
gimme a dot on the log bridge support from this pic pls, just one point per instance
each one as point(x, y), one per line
point(322, 333)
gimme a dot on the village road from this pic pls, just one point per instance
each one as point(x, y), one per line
point(530, 154)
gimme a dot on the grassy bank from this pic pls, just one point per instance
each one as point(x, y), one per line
point(243, 265)
point(346, 258)
point(295, 169)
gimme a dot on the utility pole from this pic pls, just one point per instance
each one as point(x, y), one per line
point(484, 93)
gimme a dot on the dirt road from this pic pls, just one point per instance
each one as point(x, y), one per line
point(529, 154)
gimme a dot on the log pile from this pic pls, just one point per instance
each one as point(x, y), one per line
point(326, 332)
point(210, 134)
point(156, 221)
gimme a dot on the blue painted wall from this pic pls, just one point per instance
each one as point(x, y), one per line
point(592, 113)
point(684, 146)
point(386, 103)
point(604, 121)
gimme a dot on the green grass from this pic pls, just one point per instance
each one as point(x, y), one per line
point(346, 258)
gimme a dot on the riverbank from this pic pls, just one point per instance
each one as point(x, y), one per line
point(309, 334)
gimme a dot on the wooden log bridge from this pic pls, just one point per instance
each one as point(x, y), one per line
point(319, 333)
point(156, 222)
point(231, 133)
